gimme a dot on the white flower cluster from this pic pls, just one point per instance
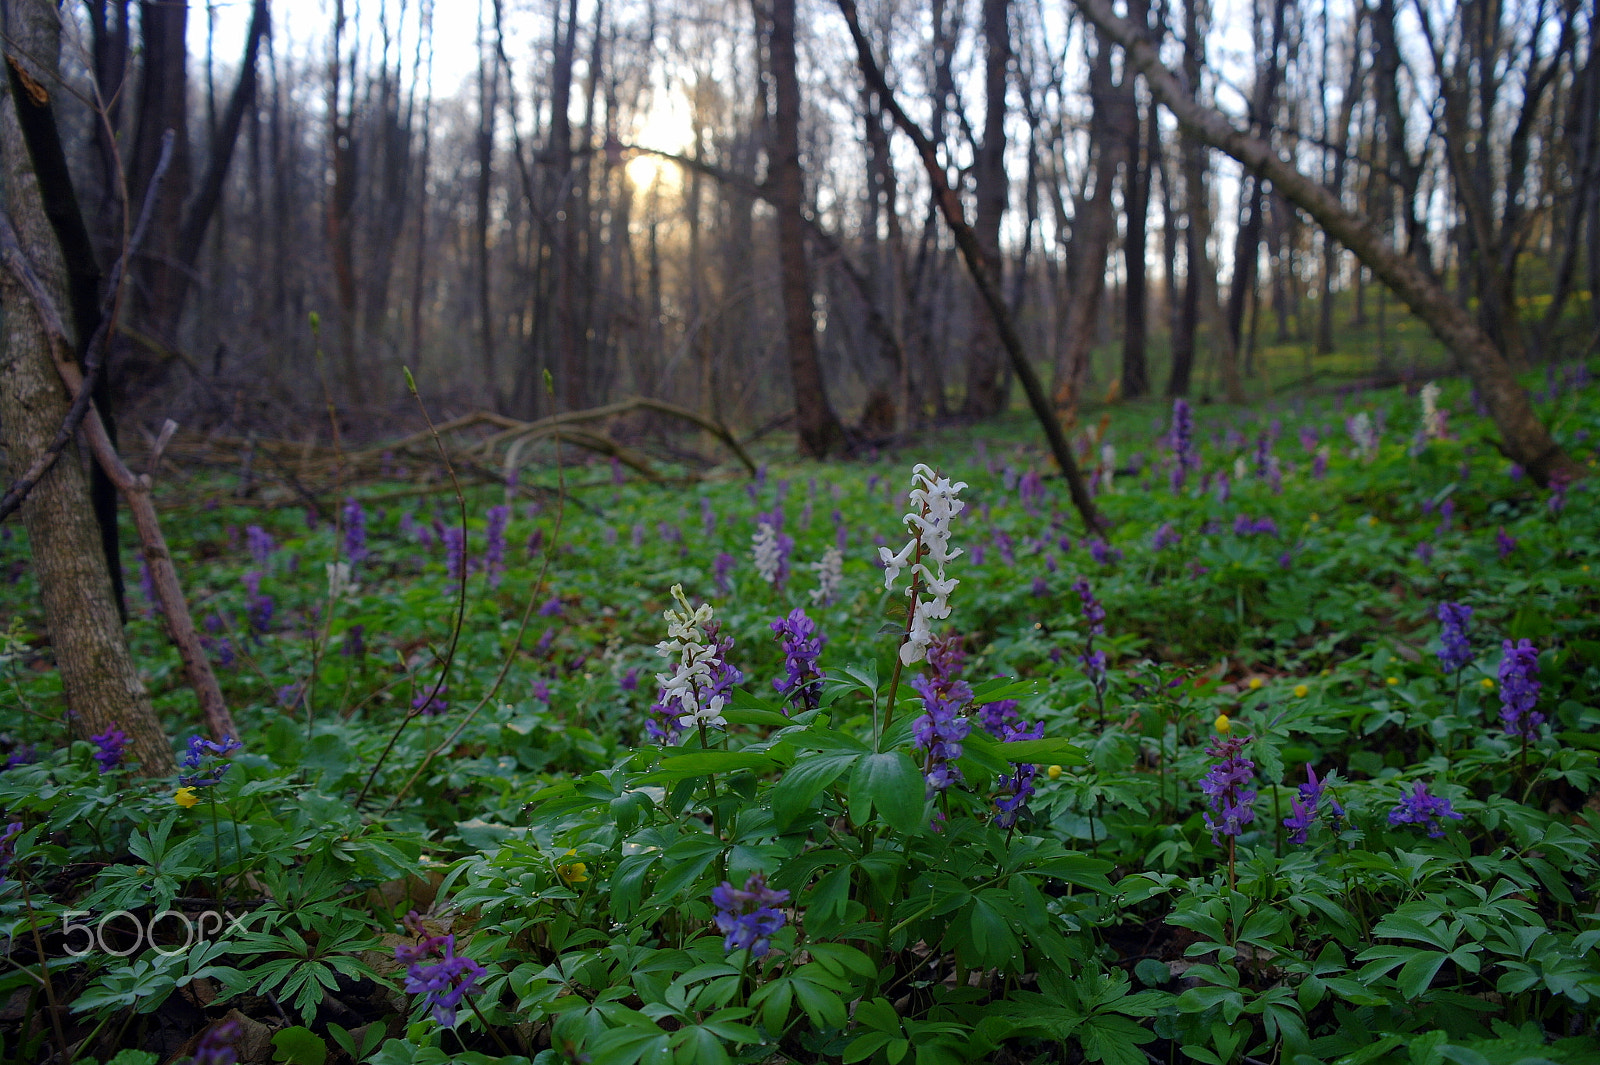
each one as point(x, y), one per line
point(934, 503)
point(768, 555)
point(340, 586)
point(1433, 420)
point(830, 575)
point(1108, 466)
point(1364, 434)
point(691, 673)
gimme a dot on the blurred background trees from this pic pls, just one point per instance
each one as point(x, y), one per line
point(487, 215)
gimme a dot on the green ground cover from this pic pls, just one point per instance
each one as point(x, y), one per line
point(1218, 788)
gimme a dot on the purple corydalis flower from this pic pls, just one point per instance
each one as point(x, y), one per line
point(216, 1047)
point(801, 686)
point(1224, 786)
point(1519, 689)
point(455, 551)
point(1103, 553)
point(630, 680)
point(748, 917)
point(535, 542)
point(355, 530)
point(939, 732)
point(110, 743)
point(721, 569)
point(200, 751)
point(1418, 807)
point(1245, 526)
point(494, 548)
point(1504, 543)
point(708, 517)
point(1165, 537)
point(259, 543)
point(1181, 437)
point(1016, 787)
point(551, 608)
point(1455, 651)
point(1304, 808)
point(444, 982)
point(1002, 543)
point(431, 703)
point(8, 844)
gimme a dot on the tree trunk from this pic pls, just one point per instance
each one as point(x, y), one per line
point(101, 681)
point(1094, 226)
point(1526, 440)
point(1135, 368)
point(820, 431)
point(986, 383)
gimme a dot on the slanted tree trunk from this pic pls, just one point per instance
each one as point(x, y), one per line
point(819, 427)
point(101, 681)
point(1525, 439)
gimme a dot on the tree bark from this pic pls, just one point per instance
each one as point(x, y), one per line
point(819, 427)
point(101, 681)
point(1525, 439)
point(987, 393)
point(1135, 314)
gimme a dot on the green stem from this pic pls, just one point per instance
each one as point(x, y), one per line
point(915, 594)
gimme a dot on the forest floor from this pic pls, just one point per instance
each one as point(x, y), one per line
point(1298, 764)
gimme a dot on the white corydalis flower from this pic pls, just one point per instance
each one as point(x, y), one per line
point(764, 547)
point(1108, 466)
point(830, 575)
point(935, 501)
point(1364, 435)
point(691, 674)
point(340, 586)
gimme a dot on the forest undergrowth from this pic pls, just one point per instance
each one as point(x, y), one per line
point(878, 761)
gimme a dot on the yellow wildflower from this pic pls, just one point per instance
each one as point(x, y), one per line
point(1392, 681)
point(573, 872)
point(1054, 772)
point(1488, 684)
point(1221, 723)
point(1256, 683)
point(1301, 691)
point(186, 798)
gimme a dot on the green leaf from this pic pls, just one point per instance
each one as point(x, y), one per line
point(1048, 751)
point(299, 1046)
point(890, 783)
point(703, 763)
point(804, 781)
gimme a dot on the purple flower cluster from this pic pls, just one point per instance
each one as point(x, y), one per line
point(802, 645)
point(1225, 788)
point(1165, 537)
point(1103, 553)
point(1182, 440)
point(1504, 543)
point(940, 731)
point(1455, 651)
point(1247, 526)
point(1304, 808)
point(110, 743)
point(8, 843)
point(445, 982)
point(1016, 787)
point(355, 530)
point(721, 569)
point(202, 749)
point(216, 1046)
point(748, 918)
point(1418, 807)
point(1030, 490)
point(455, 551)
point(432, 703)
point(494, 547)
point(1519, 689)
point(1094, 615)
point(258, 607)
point(260, 544)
